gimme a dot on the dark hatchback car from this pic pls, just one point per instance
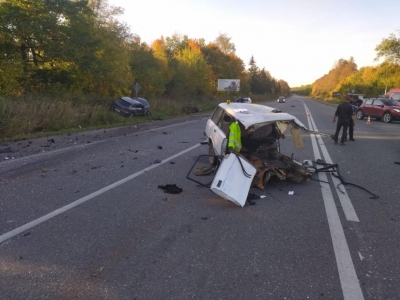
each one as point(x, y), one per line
point(281, 99)
point(383, 109)
point(144, 102)
point(129, 107)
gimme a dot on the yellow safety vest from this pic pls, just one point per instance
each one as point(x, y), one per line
point(235, 141)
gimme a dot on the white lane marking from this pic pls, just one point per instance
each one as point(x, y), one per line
point(347, 274)
point(347, 206)
point(44, 218)
point(92, 143)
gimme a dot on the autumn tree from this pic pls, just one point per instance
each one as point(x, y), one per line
point(160, 52)
point(147, 69)
point(193, 75)
point(223, 66)
point(79, 46)
point(342, 69)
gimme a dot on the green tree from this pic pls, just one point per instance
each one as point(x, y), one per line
point(304, 90)
point(193, 75)
point(284, 87)
point(255, 80)
point(389, 49)
point(102, 61)
point(265, 80)
point(224, 43)
point(147, 69)
point(160, 52)
point(176, 43)
point(63, 44)
point(34, 33)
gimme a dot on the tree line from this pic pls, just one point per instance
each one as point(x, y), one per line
point(371, 81)
point(79, 46)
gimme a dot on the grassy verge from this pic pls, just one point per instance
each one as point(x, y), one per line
point(43, 115)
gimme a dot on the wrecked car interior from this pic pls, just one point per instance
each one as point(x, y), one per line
point(256, 130)
point(261, 129)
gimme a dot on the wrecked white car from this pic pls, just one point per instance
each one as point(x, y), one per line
point(259, 158)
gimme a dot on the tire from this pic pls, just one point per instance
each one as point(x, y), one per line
point(387, 117)
point(212, 160)
point(359, 114)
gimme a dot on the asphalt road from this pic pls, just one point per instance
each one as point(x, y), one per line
point(85, 219)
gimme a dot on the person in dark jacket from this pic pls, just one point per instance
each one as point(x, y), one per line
point(354, 104)
point(357, 100)
point(344, 113)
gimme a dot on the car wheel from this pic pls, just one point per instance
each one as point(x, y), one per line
point(359, 115)
point(387, 117)
point(212, 159)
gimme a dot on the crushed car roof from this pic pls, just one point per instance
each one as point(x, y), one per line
point(129, 100)
point(256, 114)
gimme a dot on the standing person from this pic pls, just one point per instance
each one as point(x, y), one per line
point(357, 100)
point(344, 113)
point(353, 102)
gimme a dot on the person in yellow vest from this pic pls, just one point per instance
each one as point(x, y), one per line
point(235, 141)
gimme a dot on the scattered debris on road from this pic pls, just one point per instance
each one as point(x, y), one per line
point(6, 150)
point(170, 188)
point(98, 272)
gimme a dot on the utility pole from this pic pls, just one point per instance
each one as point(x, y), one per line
point(385, 86)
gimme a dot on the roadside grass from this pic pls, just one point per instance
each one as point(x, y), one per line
point(43, 115)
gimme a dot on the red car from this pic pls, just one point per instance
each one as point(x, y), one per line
point(383, 109)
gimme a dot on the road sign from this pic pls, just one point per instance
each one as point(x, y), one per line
point(137, 87)
point(228, 85)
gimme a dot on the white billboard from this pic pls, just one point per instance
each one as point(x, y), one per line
point(229, 85)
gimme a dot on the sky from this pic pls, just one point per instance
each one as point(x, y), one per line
point(297, 41)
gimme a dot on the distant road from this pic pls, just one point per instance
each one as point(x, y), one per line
point(88, 221)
